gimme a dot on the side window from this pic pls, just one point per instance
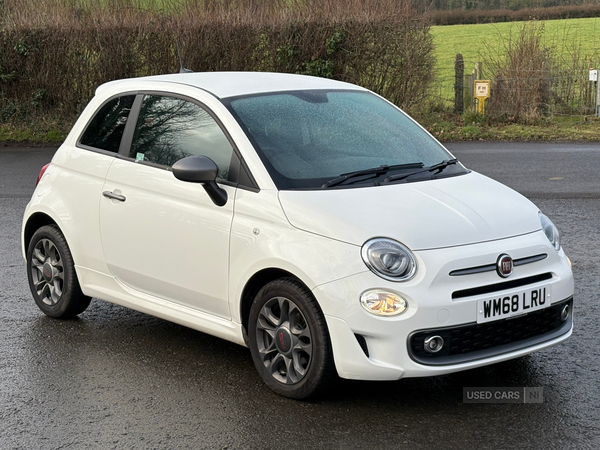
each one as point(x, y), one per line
point(169, 129)
point(106, 128)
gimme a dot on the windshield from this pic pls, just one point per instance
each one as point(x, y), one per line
point(305, 138)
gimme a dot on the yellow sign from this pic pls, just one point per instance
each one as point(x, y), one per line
point(482, 92)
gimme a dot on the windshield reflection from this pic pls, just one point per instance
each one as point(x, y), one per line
point(306, 138)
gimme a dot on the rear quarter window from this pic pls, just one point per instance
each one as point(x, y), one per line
point(105, 130)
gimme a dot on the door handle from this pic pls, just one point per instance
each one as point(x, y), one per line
point(114, 196)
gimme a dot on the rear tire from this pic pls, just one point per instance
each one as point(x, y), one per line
point(289, 340)
point(52, 277)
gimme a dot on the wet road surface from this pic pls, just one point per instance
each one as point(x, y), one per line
point(116, 378)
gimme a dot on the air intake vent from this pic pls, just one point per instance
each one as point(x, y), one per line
point(363, 343)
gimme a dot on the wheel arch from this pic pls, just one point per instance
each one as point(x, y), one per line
point(34, 223)
point(254, 285)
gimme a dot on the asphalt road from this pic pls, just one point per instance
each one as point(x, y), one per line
point(115, 378)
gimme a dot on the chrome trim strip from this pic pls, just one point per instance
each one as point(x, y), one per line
point(530, 259)
point(492, 267)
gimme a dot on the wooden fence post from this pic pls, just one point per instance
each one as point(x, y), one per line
point(459, 72)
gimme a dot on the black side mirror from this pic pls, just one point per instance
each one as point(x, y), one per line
point(201, 169)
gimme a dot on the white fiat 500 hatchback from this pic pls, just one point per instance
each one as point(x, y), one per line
point(308, 219)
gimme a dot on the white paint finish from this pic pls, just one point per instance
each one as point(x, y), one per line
point(168, 239)
point(232, 84)
point(311, 258)
point(432, 287)
point(350, 360)
point(354, 365)
point(176, 255)
point(70, 194)
point(449, 212)
point(387, 336)
point(106, 287)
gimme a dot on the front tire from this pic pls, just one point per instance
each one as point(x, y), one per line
point(51, 273)
point(289, 340)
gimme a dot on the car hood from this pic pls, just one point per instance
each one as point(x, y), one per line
point(423, 215)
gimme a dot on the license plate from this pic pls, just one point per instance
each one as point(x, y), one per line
point(508, 305)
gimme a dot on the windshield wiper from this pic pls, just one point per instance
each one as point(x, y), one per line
point(373, 171)
point(439, 167)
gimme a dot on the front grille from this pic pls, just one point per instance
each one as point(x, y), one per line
point(481, 290)
point(475, 341)
point(492, 267)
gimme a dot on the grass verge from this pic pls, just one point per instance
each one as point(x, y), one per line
point(473, 128)
point(32, 134)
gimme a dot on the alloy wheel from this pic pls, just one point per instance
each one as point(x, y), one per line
point(285, 343)
point(47, 272)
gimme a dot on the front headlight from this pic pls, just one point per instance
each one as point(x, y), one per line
point(389, 259)
point(551, 231)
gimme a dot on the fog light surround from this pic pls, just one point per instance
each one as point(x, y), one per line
point(564, 314)
point(433, 344)
point(383, 303)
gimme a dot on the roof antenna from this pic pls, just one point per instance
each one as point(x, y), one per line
point(181, 68)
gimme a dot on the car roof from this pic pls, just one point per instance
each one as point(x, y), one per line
point(233, 84)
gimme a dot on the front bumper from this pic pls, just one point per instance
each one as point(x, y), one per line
point(471, 342)
point(387, 348)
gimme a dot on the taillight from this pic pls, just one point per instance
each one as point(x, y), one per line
point(41, 173)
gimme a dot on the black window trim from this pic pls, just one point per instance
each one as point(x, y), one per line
point(130, 126)
point(237, 161)
point(78, 143)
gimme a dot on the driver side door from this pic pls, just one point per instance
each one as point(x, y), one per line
point(162, 236)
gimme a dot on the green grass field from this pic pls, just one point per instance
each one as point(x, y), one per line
point(478, 42)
